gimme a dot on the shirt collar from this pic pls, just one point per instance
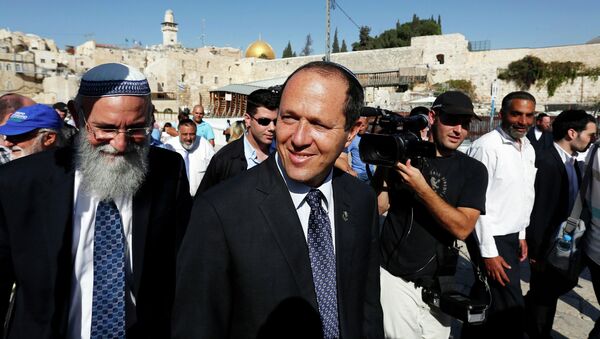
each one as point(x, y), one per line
point(249, 151)
point(563, 154)
point(298, 191)
point(507, 139)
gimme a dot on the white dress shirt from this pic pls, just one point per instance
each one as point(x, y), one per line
point(250, 153)
point(196, 159)
point(298, 192)
point(510, 192)
point(82, 250)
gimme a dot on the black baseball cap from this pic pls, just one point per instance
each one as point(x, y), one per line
point(454, 102)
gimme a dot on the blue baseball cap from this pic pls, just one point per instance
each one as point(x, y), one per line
point(28, 118)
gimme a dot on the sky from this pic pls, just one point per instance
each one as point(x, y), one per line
point(505, 23)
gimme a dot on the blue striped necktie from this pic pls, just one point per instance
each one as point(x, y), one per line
point(322, 262)
point(108, 300)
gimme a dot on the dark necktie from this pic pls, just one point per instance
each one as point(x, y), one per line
point(322, 262)
point(108, 301)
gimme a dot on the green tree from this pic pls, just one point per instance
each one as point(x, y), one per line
point(287, 52)
point(399, 36)
point(344, 48)
point(524, 72)
point(307, 50)
point(335, 48)
point(363, 39)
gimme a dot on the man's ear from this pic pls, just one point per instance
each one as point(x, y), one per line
point(49, 139)
point(74, 112)
point(247, 119)
point(431, 117)
point(353, 131)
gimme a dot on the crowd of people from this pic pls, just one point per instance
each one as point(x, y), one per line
point(112, 226)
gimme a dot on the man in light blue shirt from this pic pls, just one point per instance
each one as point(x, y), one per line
point(203, 128)
point(357, 164)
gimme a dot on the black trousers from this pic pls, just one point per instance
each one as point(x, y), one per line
point(505, 318)
point(545, 287)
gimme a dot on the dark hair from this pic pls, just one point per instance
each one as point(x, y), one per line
point(507, 101)
point(419, 110)
point(355, 94)
point(570, 119)
point(541, 116)
point(61, 106)
point(186, 122)
point(182, 116)
point(262, 98)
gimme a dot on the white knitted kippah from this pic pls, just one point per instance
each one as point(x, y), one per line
point(113, 79)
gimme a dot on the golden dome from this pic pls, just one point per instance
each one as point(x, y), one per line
point(260, 49)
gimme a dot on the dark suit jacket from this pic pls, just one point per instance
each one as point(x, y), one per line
point(545, 141)
point(551, 202)
point(243, 267)
point(228, 162)
point(36, 208)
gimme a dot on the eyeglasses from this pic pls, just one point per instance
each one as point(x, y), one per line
point(136, 133)
point(264, 121)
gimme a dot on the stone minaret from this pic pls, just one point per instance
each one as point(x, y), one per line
point(169, 29)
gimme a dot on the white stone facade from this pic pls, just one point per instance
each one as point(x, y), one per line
point(182, 77)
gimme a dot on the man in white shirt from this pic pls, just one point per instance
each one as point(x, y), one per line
point(510, 162)
point(289, 247)
point(195, 151)
point(89, 233)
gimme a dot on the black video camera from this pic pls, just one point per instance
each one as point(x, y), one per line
point(456, 305)
point(397, 140)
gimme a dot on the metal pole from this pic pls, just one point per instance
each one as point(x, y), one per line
point(328, 32)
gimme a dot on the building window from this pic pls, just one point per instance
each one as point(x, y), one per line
point(207, 64)
point(81, 63)
point(43, 61)
point(8, 67)
point(52, 60)
point(201, 79)
point(216, 80)
point(440, 58)
point(18, 68)
point(229, 80)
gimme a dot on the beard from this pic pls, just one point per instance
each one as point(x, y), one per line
point(107, 174)
point(35, 147)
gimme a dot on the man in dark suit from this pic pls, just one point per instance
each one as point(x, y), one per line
point(556, 186)
point(89, 234)
point(540, 135)
point(253, 148)
point(289, 248)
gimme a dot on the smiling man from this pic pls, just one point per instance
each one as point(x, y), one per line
point(510, 161)
point(289, 247)
point(89, 233)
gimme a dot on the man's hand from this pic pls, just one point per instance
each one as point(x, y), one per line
point(523, 249)
point(495, 269)
point(413, 178)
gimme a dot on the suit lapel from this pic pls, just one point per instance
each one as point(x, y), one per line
point(281, 217)
point(142, 206)
point(58, 198)
point(345, 236)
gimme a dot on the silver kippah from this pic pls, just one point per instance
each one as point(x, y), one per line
point(113, 79)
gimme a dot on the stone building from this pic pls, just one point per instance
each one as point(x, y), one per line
point(181, 77)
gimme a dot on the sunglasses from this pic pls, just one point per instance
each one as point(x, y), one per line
point(265, 121)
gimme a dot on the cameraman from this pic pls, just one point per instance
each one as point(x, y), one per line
point(432, 202)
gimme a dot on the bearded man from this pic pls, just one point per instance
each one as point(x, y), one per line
point(195, 150)
point(88, 233)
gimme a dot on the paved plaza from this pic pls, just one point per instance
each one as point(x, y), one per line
point(576, 311)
